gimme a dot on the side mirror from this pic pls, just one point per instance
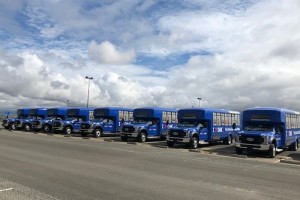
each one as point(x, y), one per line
point(200, 126)
point(234, 126)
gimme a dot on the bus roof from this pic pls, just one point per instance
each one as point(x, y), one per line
point(272, 109)
point(157, 109)
point(114, 108)
point(211, 110)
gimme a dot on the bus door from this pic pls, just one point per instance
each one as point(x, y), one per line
point(280, 135)
point(109, 125)
point(204, 130)
point(153, 128)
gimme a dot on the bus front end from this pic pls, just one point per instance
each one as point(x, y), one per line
point(257, 137)
point(65, 126)
point(94, 127)
point(6, 123)
point(178, 135)
point(133, 130)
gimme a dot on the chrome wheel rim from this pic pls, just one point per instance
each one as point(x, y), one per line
point(195, 143)
point(68, 131)
point(97, 133)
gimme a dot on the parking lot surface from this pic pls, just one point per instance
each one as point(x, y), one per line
point(41, 166)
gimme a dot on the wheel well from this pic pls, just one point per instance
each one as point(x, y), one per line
point(98, 127)
point(274, 142)
point(47, 124)
point(27, 124)
point(144, 131)
point(196, 136)
point(68, 126)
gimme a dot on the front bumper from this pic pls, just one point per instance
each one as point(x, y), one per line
point(60, 128)
point(86, 130)
point(260, 147)
point(6, 125)
point(129, 135)
point(179, 140)
point(37, 127)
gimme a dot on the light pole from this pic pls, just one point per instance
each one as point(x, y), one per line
point(199, 100)
point(88, 96)
point(68, 102)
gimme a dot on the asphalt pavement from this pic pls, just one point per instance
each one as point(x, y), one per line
point(41, 166)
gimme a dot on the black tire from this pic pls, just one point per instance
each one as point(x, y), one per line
point(272, 151)
point(97, 133)
point(68, 130)
point(228, 141)
point(170, 143)
point(27, 127)
point(295, 146)
point(142, 137)
point(46, 128)
point(194, 143)
point(124, 138)
point(238, 150)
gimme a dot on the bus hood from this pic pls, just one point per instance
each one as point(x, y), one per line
point(8, 120)
point(65, 121)
point(257, 133)
point(135, 126)
point(186, 129)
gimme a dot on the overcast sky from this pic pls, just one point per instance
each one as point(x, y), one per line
point(233, 54)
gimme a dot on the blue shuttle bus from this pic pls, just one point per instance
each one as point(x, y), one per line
point(107, 120)
point(45, 125)
point(22, 113)
point(75, 116)
point(203, 126)
point(34, 113)
point(269, 129)
point(149, 122)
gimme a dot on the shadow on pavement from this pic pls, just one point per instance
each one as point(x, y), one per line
point(294, 156)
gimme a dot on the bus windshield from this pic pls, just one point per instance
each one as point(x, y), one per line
point(141, 121)
point(259, 127)
point(77, 119)
point(188, 124)
point(98, 119)
point(37, 117)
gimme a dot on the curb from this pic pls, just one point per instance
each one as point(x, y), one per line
point(108, 140)
point(195, 150)
point(238, 156)
point(290, 161)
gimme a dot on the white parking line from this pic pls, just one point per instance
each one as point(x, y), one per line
point(4, 190)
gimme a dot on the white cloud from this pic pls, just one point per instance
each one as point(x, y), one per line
point(252, 60)
point(107, 53)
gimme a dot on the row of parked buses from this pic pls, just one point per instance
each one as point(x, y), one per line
point(265, 129)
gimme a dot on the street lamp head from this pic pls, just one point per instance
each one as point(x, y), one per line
point(87, 77)
point(199, 98)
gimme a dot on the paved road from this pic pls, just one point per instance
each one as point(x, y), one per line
point(39, 166)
